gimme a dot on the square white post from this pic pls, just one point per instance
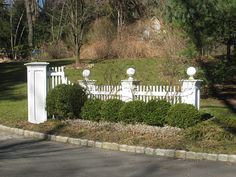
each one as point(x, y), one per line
point(89, 85)
point(128, 87)
point(190, 92)
point(37, 91)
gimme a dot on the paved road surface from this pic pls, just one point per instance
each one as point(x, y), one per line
point(21, 157)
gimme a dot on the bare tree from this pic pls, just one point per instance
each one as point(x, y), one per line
point(15, 30)
point(55, 9)
point(126, 10)
point(80, 15)
point(31, 7)
point(29, 22)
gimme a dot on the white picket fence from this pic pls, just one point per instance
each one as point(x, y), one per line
point(171, 94)
point(105, 92)
point(40, 80)
point(56, 76)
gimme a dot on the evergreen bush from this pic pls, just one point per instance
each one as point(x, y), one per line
point(110, 110)
point(65, 101)
point(183, 115)
point(92, 110)
point(156, 112)
point(132, 112)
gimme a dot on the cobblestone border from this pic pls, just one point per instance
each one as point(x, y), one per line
point(180, 154)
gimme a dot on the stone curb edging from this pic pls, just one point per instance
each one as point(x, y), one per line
point(179, 154)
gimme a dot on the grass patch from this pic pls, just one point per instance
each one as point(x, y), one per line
point(209, 136)
point(148, 71)
point(217, 108)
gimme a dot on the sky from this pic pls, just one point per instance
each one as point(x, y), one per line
point(41, 2)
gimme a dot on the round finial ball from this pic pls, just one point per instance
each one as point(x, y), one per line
point(130, 71)
point(86, 73)
point(191, 71)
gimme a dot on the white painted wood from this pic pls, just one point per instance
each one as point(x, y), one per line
point(127, 89)
point(37, 91)
point(190, 92)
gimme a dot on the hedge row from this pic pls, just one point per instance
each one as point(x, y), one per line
point(155, 112)
point(66, 101)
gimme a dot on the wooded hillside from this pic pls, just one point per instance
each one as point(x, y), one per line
point(96, 29)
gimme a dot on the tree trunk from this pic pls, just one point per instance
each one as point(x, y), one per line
point(60, 22)
point(52, 27)
point(77, 26)
point(119, 21)
point(77, 57)
point(30, 22)
point(228, 55)
point(11, 25)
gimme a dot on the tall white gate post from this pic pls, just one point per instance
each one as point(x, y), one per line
point(129, 86)
point(190, 90)
point(37, 91)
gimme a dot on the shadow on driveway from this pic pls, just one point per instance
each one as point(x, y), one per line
point(29, 157)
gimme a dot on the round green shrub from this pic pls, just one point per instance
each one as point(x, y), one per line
point(92, 110)
point(156, 112)
point(65, 101)
point(110, 110)
point(183, 115)
point(132, 112)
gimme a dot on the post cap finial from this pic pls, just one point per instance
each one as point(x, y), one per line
point(130, 72)
point(191, 71)
point(86, 74)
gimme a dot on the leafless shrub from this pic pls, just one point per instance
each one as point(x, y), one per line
point(96, 50)
point(103, 42)
point(55, 50)
point(99, 39)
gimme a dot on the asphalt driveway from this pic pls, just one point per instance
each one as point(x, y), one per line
point(22, 157)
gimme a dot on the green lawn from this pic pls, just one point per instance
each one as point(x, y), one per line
point(13, 107)
point(217, 108)
point(148, 71)
point(13, 102)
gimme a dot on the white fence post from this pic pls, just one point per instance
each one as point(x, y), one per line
point(37, 91)
point(89, 85)
point(190, 91)
point(129, 86)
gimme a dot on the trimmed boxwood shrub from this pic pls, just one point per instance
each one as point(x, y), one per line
point(183, 115)
point(92, 109)
point(156, 112)
point(110, 110)
point(132, 112)
point(65, 101)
